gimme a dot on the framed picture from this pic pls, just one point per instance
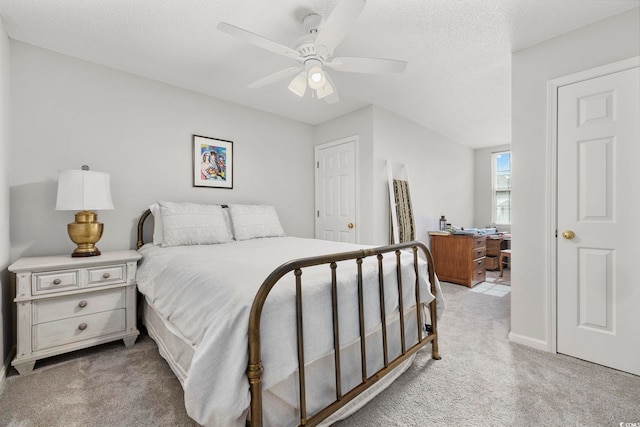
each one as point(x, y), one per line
point(212, 162)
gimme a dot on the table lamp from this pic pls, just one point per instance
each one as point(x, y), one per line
point(84, 191)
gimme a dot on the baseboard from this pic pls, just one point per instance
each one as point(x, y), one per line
point(529, 342)
point(5, 368)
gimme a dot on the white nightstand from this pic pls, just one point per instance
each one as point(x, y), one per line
point(65, 304)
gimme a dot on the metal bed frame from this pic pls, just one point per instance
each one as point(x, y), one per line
point(255, 368)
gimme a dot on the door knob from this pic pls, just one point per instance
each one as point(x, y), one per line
point(350, 225)
point(568, 234)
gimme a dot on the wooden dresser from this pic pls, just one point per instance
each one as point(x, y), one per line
point(459, 259)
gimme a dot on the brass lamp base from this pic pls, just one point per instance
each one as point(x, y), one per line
point(85, 232)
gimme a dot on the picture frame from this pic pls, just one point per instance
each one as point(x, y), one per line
point(212, 162)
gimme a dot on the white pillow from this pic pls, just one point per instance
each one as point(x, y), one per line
point(158, 235)
point(254, 221)
point(227, 219)
point(193, 224)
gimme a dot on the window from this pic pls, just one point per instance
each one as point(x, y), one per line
point(501, 187)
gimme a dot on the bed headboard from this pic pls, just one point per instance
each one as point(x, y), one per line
point(146, 214)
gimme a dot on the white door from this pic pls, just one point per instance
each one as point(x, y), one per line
point(598, 285)
point(336, 191)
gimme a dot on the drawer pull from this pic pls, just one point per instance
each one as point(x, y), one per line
point(57, 281)
point(82, 326)
point(106, 275)
point(82, 304)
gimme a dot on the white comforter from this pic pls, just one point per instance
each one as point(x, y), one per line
point(206, 292)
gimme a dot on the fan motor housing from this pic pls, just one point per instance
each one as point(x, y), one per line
point(307, 49)
point(311, 23)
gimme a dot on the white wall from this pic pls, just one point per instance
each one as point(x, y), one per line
point(483, 187)
point(6, 299)
point(440, 170)
point(440, 174)
point(595, 45)
point(67, 112)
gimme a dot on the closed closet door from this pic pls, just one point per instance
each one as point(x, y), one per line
point(598, 208)
point(336, 191)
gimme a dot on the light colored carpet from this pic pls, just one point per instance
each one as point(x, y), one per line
point(482, 380)
point(107, 385)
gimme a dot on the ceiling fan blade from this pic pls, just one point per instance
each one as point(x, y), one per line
point(367, 65)
point(272, 78)
point(259, 41)
point(338, 24)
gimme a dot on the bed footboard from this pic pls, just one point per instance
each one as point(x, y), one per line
point(255, 368)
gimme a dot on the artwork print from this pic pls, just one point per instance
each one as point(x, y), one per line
point(212, 162)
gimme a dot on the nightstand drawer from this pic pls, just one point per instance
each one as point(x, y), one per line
point(55, 281)
point(107, 275)
point(77, 305)
point(65, 331)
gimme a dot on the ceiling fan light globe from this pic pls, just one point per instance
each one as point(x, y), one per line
point(316, 77)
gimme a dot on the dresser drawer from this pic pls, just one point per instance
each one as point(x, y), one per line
point(493, 247)
point(55, 281)
point(478, 253)
point(65, 331)
point(491, 262)
point(99, 276)
point(479, 263)
point(479, 275)
point(77, 305)
point(479, 242)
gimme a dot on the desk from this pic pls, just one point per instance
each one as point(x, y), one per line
point(459, 259)
point(495, 244)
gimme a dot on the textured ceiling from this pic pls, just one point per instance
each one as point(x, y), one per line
point(457, 81)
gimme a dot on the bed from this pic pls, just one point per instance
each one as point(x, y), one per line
point(265, 329)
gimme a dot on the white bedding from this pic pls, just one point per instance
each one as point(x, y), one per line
point(205, 293)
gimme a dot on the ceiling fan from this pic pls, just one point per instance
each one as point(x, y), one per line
point(314, 52)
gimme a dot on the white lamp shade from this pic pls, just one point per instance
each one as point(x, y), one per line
point(325, 90)
point(83, 190)
point(299, 84)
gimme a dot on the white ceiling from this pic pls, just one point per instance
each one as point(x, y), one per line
point(457, 81)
